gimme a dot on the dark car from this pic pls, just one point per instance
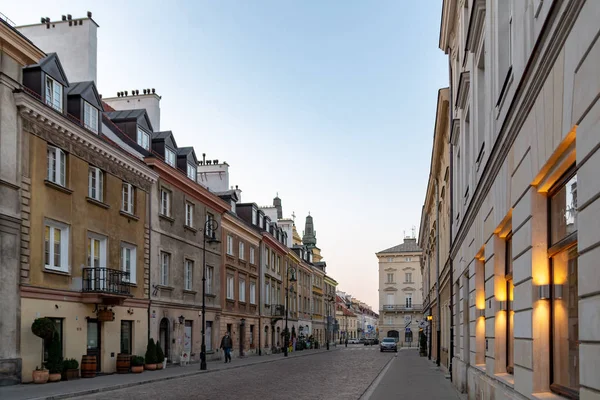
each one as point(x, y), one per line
point(388, 344)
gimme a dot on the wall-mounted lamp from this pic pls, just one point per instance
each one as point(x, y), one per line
point(479, 313)
point(544, 292)
point(130, 311)
point(181, 319)
point(430, 318)
point(501, 305)
point(558, 291)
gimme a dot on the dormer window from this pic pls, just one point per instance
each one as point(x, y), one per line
point(191, 172)
point(261, 221)
point(170, 157)
point(54, 94)
point(90, 117)
point(143, 139)
point(254, 212)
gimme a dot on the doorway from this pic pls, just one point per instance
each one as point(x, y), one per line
point(163, 337)
point(242, 336)
point(394, 334)
point(94, 345)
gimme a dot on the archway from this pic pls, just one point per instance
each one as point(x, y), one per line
point(394, 334)
point(163, 336)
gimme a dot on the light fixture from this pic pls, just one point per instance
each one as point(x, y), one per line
point(480, 313)
point(558, 291)
point(501, 305)
point(430, 318)
point(181, 319)
point(544, 292)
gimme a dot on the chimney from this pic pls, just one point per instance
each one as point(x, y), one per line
point(277, 204)
point(149, 102)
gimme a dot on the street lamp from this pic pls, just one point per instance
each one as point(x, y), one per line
point(290, 271)
point(242, 335)
point(210, 228)
point(329, 301)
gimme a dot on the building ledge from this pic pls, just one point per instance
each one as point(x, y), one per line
point(191, 229)
point(506, 378)
point(53, 271)
point(97, 203)
point(166, 217)
point(129, 216)
point(57, 187)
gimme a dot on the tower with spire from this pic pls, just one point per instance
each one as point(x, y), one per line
point(309, 239)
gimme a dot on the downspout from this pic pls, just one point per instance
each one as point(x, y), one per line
point(149, 216)
point(260, 304)
point(437, 271)
point(450, 261)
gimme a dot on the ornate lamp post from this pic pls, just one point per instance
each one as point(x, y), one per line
point(210, 228)
point(290, 271)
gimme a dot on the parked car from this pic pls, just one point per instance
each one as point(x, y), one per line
point(388, 344)
point(353, 341)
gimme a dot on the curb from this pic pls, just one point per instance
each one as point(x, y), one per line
point(162, 379)
point(366, 395)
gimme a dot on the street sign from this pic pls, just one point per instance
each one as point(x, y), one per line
point(422, 324)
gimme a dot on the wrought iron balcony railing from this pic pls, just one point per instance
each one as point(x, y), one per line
point(277, 310)
point(402, 307)
point(105, 280)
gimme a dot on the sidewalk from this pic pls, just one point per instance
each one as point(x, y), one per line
point(80, 387)
point(409, 376)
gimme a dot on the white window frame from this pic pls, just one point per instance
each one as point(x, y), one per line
point(408, 277)
point(54, 94)
point(63, 245)
point(102, 256)
point(126, 247)
point(57, 165)
point(165, 266)
point(170, 157)
point(95, 183)
point(267, 293)
point(189, 214)
point(242, 250)
point(254, 212)
point(90, 117)
point(408, 300)
point(209, 279)
point(251, 255)
point(408, 259)
point(230, 245)
point(252, 292)
point(165, 202)
point(127, 198)
point(242, 289)
point(390, 277)
point(192, 172)
point(143, 139)
point(188, 272)
point(230, 285)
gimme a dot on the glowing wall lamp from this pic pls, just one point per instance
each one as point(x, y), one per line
point(544, 292)
point(501, 305)
point(558, 291)
point(430, 318)
point(480, 313)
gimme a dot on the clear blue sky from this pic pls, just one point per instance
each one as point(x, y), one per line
point(329, 103)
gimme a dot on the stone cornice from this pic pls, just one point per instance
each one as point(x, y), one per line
point(447, 24)
point(541, 62)
point(454, 131)
point(232, 224)
point(390, 289)
point(476, 24)
point(271, 241)
point(40, 120)
point(18, 47)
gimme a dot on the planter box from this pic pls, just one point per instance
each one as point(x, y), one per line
point(70, 374)
point(137, 369)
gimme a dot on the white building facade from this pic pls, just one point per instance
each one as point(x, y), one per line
point(524, 86)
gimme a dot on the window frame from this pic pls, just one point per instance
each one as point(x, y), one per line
point(390, 277)
point(165, 202)
point(252, 292)
point(193, 170)
point(58, 174)
point(252, 255)
point(170, 157)
point(64, 245)
point(242, 289)
point(52, 101)
point(143, 139)
point(129, 205)
point(188, 274)
point(230, 287)
point(96, 175)
point(90, 117)
point(242, 250)
point(189, 214)
point(132, 261)
point(165, 268)
point(230, 245)
point(210, 273)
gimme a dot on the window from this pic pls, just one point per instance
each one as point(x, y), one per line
point(127, 198)
point(128, 261)
point(408, 300)
point(126, 336)
point(57, 165)
point(408, 277)
point(260, 221)
point(267, 257)
point(408, 259)
point(510, 337)
point(165, 263)
point(564, 310)
point(209, 279)
point(390, 259)
point(165, 202)
point(254, 216)
point(251, 255)
point(273, 260)
point(278, 260)
point(408, 336)
point(143, 139)
point(54, 94)
point(56, 246)
point(209, 335)
point(96, 251)
point(210, 232)
point(90, 117)
point(229, 245)
point(251, 335)
point(188, 271)
point(189, 214)
point(504, 46)
point(252, 292)
point(170, 157)
point(230, 287)
point(390, 320)
point(191, 172)
point(242, 288)
point(95, 183)
point(58, 324)
point(267, 293)
point(242, 251)
point(390, 278)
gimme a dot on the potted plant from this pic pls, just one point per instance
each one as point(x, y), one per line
point(137, 364)
point(40, 375)
point(45, 329)
point(161, 362)
point(150, 356)
point(70, 369)
point(55, 361)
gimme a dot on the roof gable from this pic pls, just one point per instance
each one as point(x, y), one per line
point(87, 91)
point(409, 246)
point(189, 153)
point(139, 115)
point(51, 66)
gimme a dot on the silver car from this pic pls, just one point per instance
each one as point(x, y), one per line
point(388, 344)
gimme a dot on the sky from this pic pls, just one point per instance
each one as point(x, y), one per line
point(330, 104)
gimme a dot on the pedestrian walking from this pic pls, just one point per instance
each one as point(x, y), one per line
point(346, 342)
point(226, 345)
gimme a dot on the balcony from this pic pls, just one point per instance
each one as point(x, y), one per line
point(402, 307)
point(277, 310)
point(105, 285)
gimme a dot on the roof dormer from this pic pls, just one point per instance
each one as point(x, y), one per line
point(187, 161)
point(48, 80)
point(84, 103)
point(164, 145)
point(135, 124)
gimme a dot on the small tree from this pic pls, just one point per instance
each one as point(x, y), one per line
point(160, 355)
point(55, 361)
point(151, 352)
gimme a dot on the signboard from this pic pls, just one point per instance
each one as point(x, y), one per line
point(422, 324)
point(106, 315)
point(407, 319)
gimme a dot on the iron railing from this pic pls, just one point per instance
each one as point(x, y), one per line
point(402, 307)
point(105, 280)
point(278, 310)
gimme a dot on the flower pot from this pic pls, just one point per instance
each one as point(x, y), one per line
point(40, 376)
point(70, 374)
point(159, 366)
point(54, 377)
point(150, 367)
point(137, 369)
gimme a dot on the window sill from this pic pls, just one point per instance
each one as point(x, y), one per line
point(506, 378)
point(190, 292)
point(166, 217)
point(230, 256)
point(57, 187)
point(97, 203)
point(211, 295)
point(129, 216)
point(56, 272)
point(230, 300)
point(165, 288)
point(189, 228)
point(242, 303)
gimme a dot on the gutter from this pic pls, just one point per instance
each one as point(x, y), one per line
point(450, 260)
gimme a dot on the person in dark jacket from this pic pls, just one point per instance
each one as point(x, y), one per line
point(226, 345)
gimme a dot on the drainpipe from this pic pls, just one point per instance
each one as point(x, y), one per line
point(437, 272)
point(430, 322)
point(451, 262)
point(259, 299)
point(149, 216)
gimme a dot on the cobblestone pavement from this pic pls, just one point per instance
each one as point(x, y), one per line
point(343, 374)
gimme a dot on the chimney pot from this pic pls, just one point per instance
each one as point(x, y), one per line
point(69, 17)
point(215, 162)
point(126, 93)
point(89, 14)
point(118, 94)
point(42, 20)
point(144, 91)
point(152, 90)
point(137, 92)
point(64, 17)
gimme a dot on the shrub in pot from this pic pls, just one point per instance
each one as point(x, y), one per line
point(160, 356)
point(150, 356)
point(137, 364)
point(45, 329)
point(70, 369)
point(54, 363)
point(40, 375)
